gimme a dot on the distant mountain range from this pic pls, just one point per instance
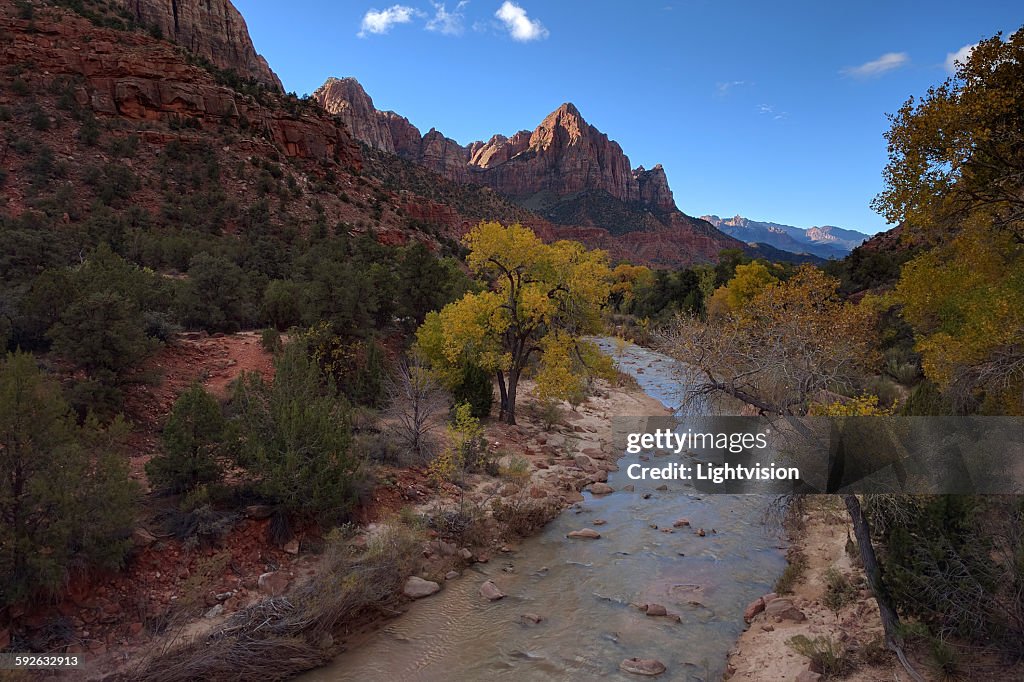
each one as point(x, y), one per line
point(826, 241)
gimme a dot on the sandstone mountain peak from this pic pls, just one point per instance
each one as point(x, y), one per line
point(563, 156)
point(214, 30)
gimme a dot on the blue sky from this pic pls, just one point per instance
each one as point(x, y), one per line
point(774, 111)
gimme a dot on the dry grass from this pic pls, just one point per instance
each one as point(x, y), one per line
point(279, 638)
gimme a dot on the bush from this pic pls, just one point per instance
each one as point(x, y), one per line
point(839, 591)
point(827, 655)
point(476, 389)
point(295, 438)
point(192, 439)
point(65, 495)
point(270, 339)
point(792, 574)
point(521, 517)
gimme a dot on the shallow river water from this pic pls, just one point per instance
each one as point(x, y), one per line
point(583, 588)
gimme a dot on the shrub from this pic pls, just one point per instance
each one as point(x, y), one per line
point(839, 591)
point(296, 440)
point(829, 656)
point(476, 389)
point(270, 339)
point(192, 442)
point(792, 574)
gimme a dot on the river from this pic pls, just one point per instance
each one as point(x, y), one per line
point(583, 589)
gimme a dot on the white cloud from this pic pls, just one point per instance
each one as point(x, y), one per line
point(519, 25)
point(445, 22)
point(380, 21)
point(722, 89)
point(887, 62)
point(960, 56)
point(769, 110)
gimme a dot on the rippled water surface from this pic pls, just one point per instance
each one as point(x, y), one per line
point(583, 588)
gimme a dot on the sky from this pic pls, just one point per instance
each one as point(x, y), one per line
point(774, 111)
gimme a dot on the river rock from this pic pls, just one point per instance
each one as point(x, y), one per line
point(642, 666)
point(629, 488)
point(417, 588)
point(451, 575)
point(680, 523)
point(656, 610)
point(599, 522)
point(583, 462)
point(490, 591)
point(530, 618)
point(783, 609)
point(753, 608)
point(585, 533)
point(601, 489)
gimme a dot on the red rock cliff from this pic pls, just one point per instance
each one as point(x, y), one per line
point(210, 28)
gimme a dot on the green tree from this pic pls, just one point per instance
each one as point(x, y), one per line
point(217, 295)
point(295, 438)
point(65, 496)
point(282, 304)
point(192, 439)
point(103, 333)
point(539, 297)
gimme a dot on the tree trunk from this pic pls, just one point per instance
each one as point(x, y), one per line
point(890, 621)
point(513, 383)
point(503, 393)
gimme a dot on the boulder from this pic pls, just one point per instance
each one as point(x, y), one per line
point(585, 534)
point(753, 608)
point(490, 591)
point(680, 523)
point(642, 666)
point(417, 588)
point(292, 546)
point(142, 538)
point(601, 489)
point(783, 609)
point(656, 610)
point(273, 583)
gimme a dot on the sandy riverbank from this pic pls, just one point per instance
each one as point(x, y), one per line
point(818, 542)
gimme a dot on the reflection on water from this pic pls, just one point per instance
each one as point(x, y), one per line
point(584, 589)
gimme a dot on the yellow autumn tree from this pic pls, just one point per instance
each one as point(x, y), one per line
point(538, 302)
point(955, 183)
point(749, 281)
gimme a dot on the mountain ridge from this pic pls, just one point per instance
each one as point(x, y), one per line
point(826, 241)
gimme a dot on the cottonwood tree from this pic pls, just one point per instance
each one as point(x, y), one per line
point(538, 298)
point(788, 347)
point(955, 181)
